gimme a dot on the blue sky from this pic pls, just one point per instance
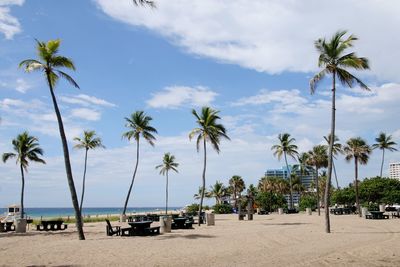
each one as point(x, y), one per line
point(252, 61)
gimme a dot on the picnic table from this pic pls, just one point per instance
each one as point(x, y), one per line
point(6, 226)
point(376, 215)
point(341, 211)
point(51, 225)
point(182, 223)
point(140, 228)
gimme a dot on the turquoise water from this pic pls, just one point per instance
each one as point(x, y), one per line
point(63, 212)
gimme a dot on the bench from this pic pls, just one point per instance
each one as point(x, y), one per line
point(368, 216)
point(153, 230)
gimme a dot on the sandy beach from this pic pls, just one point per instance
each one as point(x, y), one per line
point(268, 240)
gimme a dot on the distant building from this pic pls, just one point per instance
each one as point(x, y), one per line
point(284, 172)
point(394, 170)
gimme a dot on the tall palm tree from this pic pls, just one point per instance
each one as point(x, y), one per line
point(218, 191)
point(139, 126)
point(384, 142)
point(167, 165)
point(49, 63)
point(88, 141)
point(337, 149)
point(200, 193)
point(319, 159)
point(26, 149)
point(286, 147)
point(357, 149)
point(208, 130)
point(334, 59)
point(237, 186)
point(302, 166)
point(297, 184)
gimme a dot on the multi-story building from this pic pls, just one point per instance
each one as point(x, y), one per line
point(284, 172)
point(394, 170)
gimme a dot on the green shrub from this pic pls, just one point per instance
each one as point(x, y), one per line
point(192, 209)
point(222, 209)
point(308, 201)
point(270, 201)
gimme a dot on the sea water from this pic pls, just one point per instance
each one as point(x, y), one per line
point(64, 212)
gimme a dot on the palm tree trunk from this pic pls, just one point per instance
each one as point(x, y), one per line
point(317, 186)
point(22, 191)
point(67, 162)
point(383, 159)
point(166, 196)
point(290, 183)
point(133, 177)
point(83, 180)
point(334, 170)
point(204, 180)
point(330, 156)
point(356, 185)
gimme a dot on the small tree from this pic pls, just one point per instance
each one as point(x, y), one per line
point(26, 149)
point(167, 165)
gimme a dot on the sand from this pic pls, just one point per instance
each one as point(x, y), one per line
point(268, 240)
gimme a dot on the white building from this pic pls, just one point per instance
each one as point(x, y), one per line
point(394, 170)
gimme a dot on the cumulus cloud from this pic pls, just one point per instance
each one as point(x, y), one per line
point(9, 25)
point(86, 114)
point(177, 96)
point(270, 36)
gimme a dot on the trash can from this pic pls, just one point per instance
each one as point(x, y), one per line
point(165, 224)
point(20, 225)
point(280, 211)
point(122, 218)
point(308, 211)
point(382, 208)
point(210, 219)
point(364, 211)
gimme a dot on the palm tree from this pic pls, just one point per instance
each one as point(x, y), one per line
point(318, 159)
point(297, 184)
point(218, 191)
point(357, 149)
point(167, 165)
point(237, 186)
point(49, 63)
point(89, 141)
point(383, 142)
point(302, 167)
point(337, 149)
point(334, 60)
point(26, 149)
point(139, 125)
point(209, 130)
point(286, 147)
point(200, 192)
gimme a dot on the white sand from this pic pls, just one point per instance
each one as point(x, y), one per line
point(269, 240)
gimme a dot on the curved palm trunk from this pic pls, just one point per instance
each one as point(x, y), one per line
point(317, 186)
point(22, 191)
point(166, 196)
point(334, 171)
point(330, 157)
point(204, 180)
point(133, 177)
point(356, 185)
point(383, 159)
point(290, 183)
point(83, 181)
point(67, 162)
point(235, 196)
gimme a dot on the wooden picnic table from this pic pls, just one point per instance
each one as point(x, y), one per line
point(51, 225)
point(137, 228)
point(180, 222)
point(377, 215)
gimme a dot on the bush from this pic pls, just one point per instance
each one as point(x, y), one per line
point(222, 209)
point(270, 201)
point(308, 201)
point(193, 209)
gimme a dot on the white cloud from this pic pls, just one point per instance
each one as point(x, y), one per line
point(271, 36)
point(19, 84)
point(9, 25)
point(177, 96)
point(22, 86)
point(86, 100)
point(86, 114)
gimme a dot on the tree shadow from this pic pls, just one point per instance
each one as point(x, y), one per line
point(272, 224)
point(190, 236)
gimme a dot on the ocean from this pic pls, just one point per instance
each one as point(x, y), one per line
point(64, 212)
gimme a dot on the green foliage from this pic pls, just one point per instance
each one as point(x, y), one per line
point(380, 190)
point(192, 209)
point(270, 201)
point(308, 201)
point(222, 208)
point(345, 196)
